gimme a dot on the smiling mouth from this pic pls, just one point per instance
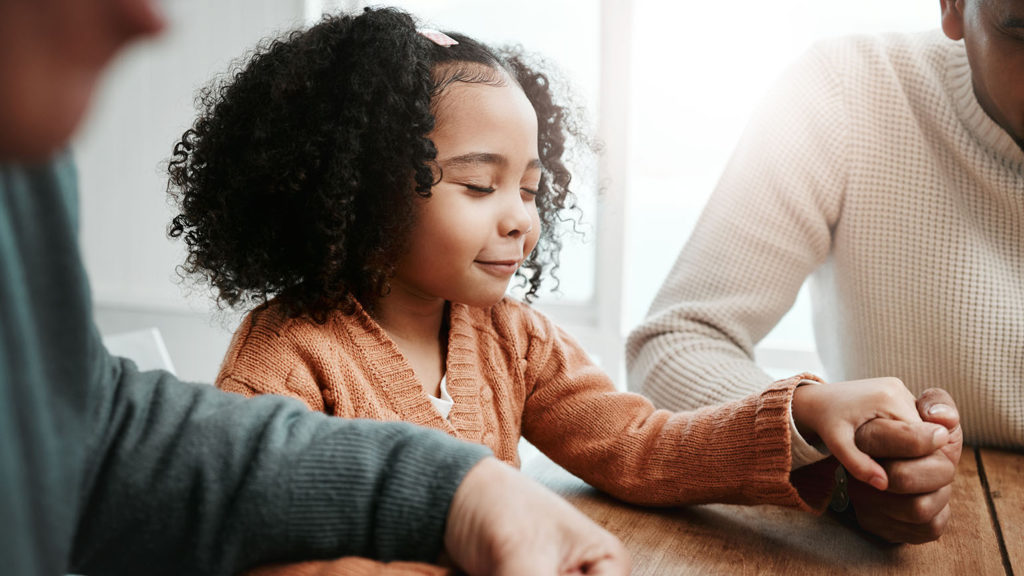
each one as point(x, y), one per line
point(499, 267)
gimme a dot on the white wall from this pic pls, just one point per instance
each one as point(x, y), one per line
point(144, 105)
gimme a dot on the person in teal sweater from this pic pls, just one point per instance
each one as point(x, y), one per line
point(108, 470)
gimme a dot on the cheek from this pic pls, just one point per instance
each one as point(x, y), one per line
point(1015, 84)
point(534, 235)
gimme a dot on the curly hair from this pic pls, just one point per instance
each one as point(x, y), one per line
point(298, 179)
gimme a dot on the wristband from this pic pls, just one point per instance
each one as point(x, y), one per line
point(840, 497)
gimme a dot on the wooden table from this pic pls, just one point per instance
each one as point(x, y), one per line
point(985, 535)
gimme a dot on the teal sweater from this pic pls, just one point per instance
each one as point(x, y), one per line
point(106, 470)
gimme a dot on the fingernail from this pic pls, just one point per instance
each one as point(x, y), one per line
point(938, 436)
point(877, 482)
point(938, 410)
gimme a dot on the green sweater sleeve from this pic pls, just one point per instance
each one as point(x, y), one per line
point(201, 481)
point(107, 470)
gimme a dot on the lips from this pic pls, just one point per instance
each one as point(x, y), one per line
point(499, 267)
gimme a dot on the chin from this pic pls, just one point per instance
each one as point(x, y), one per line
point(483, 300)
point(40, 132)
point(35, 150)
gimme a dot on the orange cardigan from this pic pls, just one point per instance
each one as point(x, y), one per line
point(511, 372)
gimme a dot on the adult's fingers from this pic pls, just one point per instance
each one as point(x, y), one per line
point(906, 532)
point(908, 508)
point(611, 559)
point(608, 566)
point(920, 475)
point(501, 522)
point(901, 518)
point(887, 438)
point(936, 405)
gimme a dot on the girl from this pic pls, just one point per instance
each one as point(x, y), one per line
point(373, 190)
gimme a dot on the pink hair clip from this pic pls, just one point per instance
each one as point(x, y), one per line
point(437, 37)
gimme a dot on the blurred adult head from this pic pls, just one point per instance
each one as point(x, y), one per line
point(51, 55)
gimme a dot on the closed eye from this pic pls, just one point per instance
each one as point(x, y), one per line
point(530, 191)
point(480, 189)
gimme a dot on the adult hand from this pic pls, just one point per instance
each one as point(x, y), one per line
point(501, 522)
point(920, 465)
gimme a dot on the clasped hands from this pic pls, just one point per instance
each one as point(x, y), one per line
point(900, 452)
point(920, 466)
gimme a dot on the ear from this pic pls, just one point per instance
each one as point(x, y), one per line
point(953, 18)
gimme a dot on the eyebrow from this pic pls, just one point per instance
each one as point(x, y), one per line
point(478, 158)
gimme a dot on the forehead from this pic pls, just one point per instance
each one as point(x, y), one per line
point(483, 115)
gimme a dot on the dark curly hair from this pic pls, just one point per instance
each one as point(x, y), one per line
point(297, 178)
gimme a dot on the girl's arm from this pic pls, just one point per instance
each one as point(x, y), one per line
point(737, 452)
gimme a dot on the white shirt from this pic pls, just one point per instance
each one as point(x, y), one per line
point(444, 403)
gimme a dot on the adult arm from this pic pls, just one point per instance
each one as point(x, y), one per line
point(184, 478)
point(502, 524)
point(766, 227)
point(287, 371)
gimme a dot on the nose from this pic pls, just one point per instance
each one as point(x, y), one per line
point(140, 18)
point(516, 218)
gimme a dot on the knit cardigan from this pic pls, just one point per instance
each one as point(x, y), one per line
point(511, 372)
point(872, 169)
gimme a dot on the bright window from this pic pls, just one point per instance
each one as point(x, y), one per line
point(698, 70)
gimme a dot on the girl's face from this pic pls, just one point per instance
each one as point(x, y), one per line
point(481, 220)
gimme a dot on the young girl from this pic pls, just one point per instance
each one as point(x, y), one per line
point(373, 189)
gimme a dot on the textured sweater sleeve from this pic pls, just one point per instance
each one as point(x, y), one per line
point(619, 443)
point(765, 229)
point(187, 479)
point(266, 361)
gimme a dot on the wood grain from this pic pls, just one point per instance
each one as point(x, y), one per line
point(724, 539)
point(1005, 474)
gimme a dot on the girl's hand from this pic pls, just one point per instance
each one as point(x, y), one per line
point(834, 412)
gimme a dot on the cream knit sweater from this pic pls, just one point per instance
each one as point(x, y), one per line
point(873, 169)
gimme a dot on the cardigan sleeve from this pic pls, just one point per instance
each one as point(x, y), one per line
point(766, 227)
point(618, 442)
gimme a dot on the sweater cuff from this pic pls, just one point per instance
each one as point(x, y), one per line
point(395, 507)
point(802, 452)
point(771, 481)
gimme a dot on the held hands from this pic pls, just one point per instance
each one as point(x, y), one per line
point(836, 412)
point(915, 508)
point(501, 522)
